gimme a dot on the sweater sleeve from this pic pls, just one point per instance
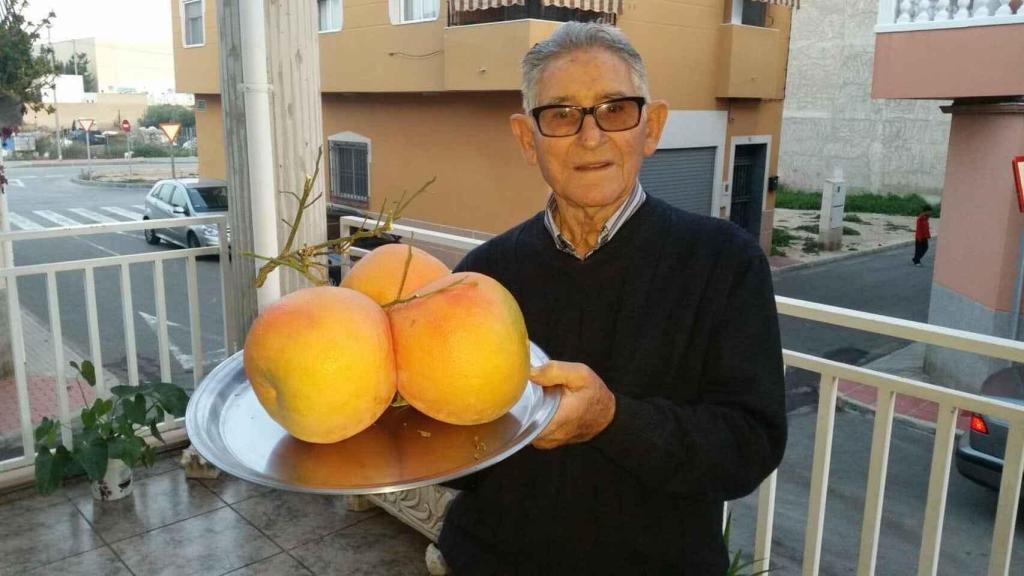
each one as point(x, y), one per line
point(727, 442)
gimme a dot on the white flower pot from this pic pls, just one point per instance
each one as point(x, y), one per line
point(116, 483)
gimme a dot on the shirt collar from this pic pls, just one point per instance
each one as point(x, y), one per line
point(610, 228)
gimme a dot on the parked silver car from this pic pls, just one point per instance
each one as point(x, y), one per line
point(980, 450)
point(183, 198)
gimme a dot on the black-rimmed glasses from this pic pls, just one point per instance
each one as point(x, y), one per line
point(556, 120)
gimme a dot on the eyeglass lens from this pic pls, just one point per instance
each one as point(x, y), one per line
point(613, 116)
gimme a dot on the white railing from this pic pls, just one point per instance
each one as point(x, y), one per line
point(951, 403)
point(88, 267)
point(907, 15)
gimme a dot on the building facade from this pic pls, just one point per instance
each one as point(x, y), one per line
point(413, 89)
point(123, 66)
point(830, 120)
point(967, 53)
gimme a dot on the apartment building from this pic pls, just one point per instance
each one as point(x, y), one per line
point(414, 89)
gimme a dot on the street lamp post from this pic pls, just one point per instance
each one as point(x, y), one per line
point(56, 111)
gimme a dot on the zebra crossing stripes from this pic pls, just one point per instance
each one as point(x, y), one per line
point(123, 212)
point(24, 223)
point(84, 212)
point(56, 218)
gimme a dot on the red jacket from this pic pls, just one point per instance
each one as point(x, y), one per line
point(923, 232)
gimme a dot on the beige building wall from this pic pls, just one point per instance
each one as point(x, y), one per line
point(210, 137)
point(107, 112)
point(196, 68)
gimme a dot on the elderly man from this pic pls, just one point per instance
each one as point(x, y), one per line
point(665, 335)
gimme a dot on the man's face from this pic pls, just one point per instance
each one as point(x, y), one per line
point(594, 168)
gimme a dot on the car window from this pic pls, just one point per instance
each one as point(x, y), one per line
point(165, 192)
point(179, 198)
point(209, 198)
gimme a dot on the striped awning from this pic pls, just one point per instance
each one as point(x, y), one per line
point(606, 6)
point(794, 4)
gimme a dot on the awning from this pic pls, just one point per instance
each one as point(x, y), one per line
point(795, 4)
point(606, 6)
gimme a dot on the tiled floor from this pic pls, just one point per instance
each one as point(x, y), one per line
point(175, 526)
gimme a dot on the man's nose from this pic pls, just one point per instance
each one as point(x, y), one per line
point(590, 134)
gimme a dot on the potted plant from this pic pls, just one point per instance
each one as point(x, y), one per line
point(109, 444)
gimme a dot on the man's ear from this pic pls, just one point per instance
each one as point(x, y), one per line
point(522, 129)
point(657, 115)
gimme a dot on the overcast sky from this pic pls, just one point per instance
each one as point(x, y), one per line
point(122, 20)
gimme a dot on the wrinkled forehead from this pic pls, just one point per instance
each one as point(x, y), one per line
point(585, 77)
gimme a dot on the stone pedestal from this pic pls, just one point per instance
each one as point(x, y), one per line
point(976, 261)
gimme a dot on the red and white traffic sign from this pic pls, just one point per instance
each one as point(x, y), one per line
point(170, 130)
point(126, 125)
point(85, 123)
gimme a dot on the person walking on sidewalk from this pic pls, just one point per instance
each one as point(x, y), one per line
point(922, 234)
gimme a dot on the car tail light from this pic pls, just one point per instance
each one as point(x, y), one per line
point(978, 424)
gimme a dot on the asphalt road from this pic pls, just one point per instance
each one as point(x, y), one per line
point(881, 283)
point(45, 197)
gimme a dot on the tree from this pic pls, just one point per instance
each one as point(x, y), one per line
point(159, 113)
point(78, 63)
point(23, 71)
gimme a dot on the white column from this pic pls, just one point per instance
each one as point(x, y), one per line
point(887, 11)
point(906, 9)
point(942, 10)
point(963, 12)
point(981, 9)
point(923, 11)
point(1004, 8)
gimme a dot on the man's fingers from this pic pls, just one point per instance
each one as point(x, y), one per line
point(556, 373)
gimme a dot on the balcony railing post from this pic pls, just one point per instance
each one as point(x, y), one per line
point(887, 11)
point(827, 393)
point(938, 486)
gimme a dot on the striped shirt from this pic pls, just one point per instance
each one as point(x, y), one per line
point(611, 226)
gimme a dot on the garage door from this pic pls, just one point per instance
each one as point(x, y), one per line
point(683, 177)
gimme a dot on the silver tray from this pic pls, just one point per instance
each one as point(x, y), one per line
point(404, 449)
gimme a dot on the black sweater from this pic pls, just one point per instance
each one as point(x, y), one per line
point(676, 314)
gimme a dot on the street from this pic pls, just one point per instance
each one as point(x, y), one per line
point(45, 197)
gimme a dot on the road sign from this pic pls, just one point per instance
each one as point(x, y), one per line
point(170, 130)
point(85, 123)
point(126, 125)
point(1018, 179)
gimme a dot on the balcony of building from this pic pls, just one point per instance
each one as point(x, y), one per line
point(948, 49)
point(227, 525)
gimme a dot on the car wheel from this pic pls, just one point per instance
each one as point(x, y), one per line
point(193, 240)
point(150, 234)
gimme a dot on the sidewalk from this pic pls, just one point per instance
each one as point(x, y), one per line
point(96, 162)
point(42, 383)
point(907, 363)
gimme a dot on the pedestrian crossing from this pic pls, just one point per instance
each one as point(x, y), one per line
point(42, 219)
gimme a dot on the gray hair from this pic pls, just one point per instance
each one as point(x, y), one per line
point(573, 36)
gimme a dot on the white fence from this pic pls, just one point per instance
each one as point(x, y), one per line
point(950, 402)
point(123, 263)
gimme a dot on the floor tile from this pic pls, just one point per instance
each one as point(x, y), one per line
point(155, 502)
point(280, 565)
point(380, 546)
point(231, 489)
point(291, 518)
point(212, 543)
point(42, 536)
point(29, 500)
point(99, 561)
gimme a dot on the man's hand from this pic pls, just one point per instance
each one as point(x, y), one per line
point(586, 408)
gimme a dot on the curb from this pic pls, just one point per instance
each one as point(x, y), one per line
point(843, 256)
point(100, 184)
point(921, 425)
point(96, 162)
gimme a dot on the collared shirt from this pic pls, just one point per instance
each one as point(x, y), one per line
point(611, 226)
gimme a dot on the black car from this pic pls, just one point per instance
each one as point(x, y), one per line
point(95, 136)
point(980, 450)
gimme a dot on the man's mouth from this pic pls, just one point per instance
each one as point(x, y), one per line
point(592, 166)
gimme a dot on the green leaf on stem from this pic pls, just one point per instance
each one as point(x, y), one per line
point(93, 458)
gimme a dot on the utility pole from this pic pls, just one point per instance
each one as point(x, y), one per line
point(294, 56)
point(270, 95)
point(56, 112)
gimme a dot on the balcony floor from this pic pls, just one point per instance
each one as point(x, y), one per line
point(173, 525)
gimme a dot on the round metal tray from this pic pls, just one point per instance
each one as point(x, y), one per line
point(404, 449)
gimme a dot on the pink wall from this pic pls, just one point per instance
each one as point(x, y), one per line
point(980, 220)
point(950, 63)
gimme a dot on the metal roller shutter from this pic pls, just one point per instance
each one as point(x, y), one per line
point(683, 177)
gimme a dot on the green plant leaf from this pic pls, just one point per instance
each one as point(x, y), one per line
point(88, 371)
point(124, 391)
point(49, 470)
point(148, 456)
point(93, 458)
point(135, 410)
point(172, 398)
point(155, 432)
point(88, 417)
point(46, 432)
